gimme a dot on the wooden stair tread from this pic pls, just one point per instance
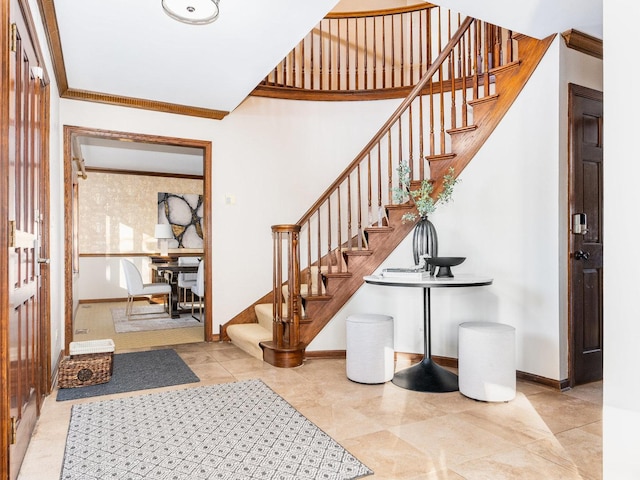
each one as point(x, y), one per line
point(380, 229)
point(440, 157)
point(313, 298)
point(400, 206)
point(356, 253)
point(488, 98)
point(506, 66)
point(468, 128)
point(343, 274)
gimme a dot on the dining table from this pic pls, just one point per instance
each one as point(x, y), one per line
point(169, 271)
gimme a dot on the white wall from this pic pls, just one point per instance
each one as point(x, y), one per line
point(621, 231)
point(263, 154)
point(103, 277)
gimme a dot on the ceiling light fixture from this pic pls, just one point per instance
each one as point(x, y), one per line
point(193, 12)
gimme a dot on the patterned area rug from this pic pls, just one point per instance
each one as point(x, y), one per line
point(150, 317)
point(231, 431)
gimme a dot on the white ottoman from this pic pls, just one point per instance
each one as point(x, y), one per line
point(487, 361)
point(370, 348)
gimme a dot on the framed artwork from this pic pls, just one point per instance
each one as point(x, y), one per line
point(184, 212)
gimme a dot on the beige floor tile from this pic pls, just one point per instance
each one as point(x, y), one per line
point(392, 458)
point(519, 421)
point(516, 464)
point(398, 433)
point(452, 439)
point(564, 412)
point(585, 448)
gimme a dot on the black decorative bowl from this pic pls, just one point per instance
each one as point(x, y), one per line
point(444, 264)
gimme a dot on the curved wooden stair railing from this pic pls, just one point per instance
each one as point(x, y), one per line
point(336, 272)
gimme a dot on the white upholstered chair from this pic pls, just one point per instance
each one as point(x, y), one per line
point(136, 287)
point(186, 280)
point(198, 291)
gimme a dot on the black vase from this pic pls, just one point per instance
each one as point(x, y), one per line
point(425, 241)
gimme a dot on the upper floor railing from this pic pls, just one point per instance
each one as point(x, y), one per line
point(385, 52)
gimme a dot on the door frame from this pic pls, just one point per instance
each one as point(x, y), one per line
point(69, 133)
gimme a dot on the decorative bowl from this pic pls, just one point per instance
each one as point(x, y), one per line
point(444, 264)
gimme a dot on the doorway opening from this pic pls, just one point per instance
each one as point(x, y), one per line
point(73, 168)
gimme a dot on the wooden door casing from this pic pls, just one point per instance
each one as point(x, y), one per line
point(586, 248)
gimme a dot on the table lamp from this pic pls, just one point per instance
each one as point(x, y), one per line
point(164, 233)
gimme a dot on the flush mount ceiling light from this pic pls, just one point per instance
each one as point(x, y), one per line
point(193, 12)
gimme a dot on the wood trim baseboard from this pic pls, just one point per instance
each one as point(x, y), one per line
point(106, 300)
point(449, 362)
point(54, 372)
point(326, 354)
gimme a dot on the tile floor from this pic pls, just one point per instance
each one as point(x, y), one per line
point(399, 434)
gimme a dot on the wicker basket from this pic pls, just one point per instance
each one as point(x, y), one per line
point(83, 370)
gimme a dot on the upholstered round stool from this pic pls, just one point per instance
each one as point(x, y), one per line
point(370, 348)
point(487, 361)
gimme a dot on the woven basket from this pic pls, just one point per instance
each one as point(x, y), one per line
point(83, 370)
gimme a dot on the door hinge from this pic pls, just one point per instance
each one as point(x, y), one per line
point(14, 37)
point(12, 233)
point(14, 431)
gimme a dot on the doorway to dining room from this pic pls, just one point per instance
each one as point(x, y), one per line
point(162, 149)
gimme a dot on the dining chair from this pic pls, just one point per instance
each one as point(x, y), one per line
point(198, 291)
point(136, 287)
point(186, 280)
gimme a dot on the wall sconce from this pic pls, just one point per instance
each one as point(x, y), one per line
point(164, 233)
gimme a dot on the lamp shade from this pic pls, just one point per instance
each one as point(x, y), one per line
point(163, 230)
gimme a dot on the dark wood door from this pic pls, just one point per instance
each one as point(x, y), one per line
point(25, 152)
point(585, 238)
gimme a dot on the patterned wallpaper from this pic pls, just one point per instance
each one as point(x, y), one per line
point(118, 213)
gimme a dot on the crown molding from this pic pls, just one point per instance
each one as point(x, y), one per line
point(121, 101)
point(583, 43)
point(50, 21)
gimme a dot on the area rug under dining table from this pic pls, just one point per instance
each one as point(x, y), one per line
point(231, 431)
point(149, 317)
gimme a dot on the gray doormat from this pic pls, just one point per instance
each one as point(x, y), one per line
point(137, 371)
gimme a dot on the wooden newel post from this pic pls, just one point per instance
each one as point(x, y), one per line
point(286, 302)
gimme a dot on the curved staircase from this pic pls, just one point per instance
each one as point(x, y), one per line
point(442, 123)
